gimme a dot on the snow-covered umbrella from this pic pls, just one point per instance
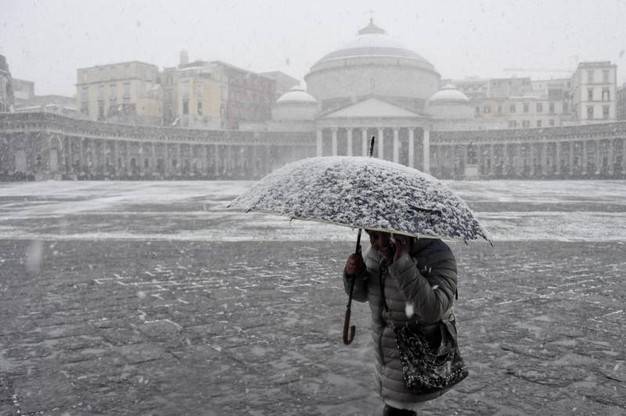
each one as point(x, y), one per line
point(363, 192)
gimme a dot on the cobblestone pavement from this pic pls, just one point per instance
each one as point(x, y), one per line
point(254, 328)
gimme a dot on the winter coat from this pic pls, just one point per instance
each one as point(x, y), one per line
point(426, 280)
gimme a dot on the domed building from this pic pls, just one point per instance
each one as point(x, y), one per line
point(295, 104)
point(372, 65)
point(449, 103)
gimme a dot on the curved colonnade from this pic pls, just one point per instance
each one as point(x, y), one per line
point(43, 145)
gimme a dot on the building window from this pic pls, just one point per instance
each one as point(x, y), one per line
point(526, 124)
point(100, 91)
point(605, 112)
point(512, 108)
point(127, 89)
point(551, 108)
point(487, 108)
point(499, 109)
point(185, 105)
point(199, 109)
point(605, 76)
point(84, 107)
point(84, 94)
point(589, 112)
point(112, 91)
point(565, 107)
point(589, 94)
point(539, 123)
point(526, 107)
point(512, 124)
point(551, 122)
point(540, 107)
point(606, 95)
point(590, 76)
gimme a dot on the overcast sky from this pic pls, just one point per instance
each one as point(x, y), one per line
point(45, 41)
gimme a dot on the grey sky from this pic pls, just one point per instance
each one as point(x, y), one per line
point(45, 41)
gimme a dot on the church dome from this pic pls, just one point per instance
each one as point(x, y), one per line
point(373, 64)
point(296, 95)
point(450, 104)
point(373, 41)
point(295, 104)
point(448, 94)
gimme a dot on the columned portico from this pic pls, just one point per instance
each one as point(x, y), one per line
point(393, 127)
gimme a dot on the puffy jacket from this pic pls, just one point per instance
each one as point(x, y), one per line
point(424, 281)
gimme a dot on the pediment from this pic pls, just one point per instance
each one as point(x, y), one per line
point(371, 108)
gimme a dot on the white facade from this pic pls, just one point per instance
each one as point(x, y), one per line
point(594, 92)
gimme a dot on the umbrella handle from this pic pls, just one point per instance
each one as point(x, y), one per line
point(348, 331)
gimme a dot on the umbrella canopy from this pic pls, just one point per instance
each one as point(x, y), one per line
point(363, 192)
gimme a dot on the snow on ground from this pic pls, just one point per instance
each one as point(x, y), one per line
point(196, 211)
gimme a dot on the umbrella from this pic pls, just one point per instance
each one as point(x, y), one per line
point(363, 192)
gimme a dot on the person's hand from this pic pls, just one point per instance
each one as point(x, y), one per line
point(402, 245)
point(354, 265)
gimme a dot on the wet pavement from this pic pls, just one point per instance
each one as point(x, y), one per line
point(254, 328)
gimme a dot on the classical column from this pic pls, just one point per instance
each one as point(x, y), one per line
point(557, 157)
point(585, 156)
point(623, 155)
point(319, 142)
point(179, 161)
point(598, 159)
point(396, 145)
point(531, 153)
point(426, 150)
point(93, 158)
point(365, 149)
point(571, 157)
point(349, 133)
point(334, 140)
point(82, 156)
point(216, 160)
point(153, 162)
point(380, 138)
point(516, 158)
point(544, 158)
point(412, 147)
point(116, 166)
point(205, 158)
point(611, 156)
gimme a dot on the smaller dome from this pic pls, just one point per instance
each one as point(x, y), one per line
point(448, 94)
point(296, 95)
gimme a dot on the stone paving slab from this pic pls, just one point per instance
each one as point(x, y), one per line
point(251, 328)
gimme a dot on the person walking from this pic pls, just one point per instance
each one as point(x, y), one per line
point(402, 278)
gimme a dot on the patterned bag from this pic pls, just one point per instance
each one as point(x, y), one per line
point(429, 368)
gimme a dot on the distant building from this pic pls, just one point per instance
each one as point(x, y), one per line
point(58, 104)
point(215, 95)
point(23, 90)
point(283, 82)
point(519, 102)
point(6, 86)
point(126, 92)
point(594, 88)
point(620, 103)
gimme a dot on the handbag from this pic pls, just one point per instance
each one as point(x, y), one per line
point(428, 368)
